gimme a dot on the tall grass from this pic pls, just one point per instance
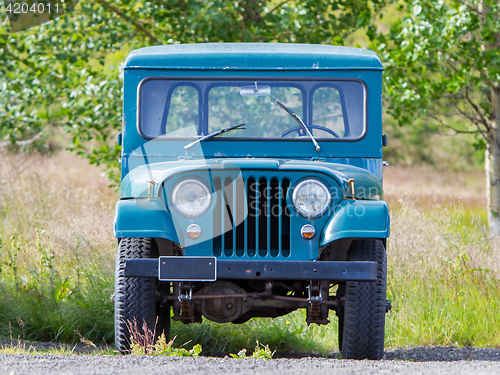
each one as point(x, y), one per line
point(56, 249)
point(444, 278)
point(57, 255)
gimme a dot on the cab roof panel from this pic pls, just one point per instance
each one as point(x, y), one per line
point(253, 56)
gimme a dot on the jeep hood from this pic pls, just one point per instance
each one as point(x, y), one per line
point(136, 183)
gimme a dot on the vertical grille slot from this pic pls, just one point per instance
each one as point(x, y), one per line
point(285, 220)
point(217, 229)
point(240, 208)
point(251, 218)
point(228, 219)
point(262, 214)
point(275, 212)
point(252, 204)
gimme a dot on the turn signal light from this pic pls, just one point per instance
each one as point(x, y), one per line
point(194, 231)
point(308, 231)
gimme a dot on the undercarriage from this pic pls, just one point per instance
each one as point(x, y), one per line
point(237, 301)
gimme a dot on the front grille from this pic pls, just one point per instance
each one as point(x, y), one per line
point(251, 217)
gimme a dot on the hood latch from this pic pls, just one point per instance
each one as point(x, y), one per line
point(351, 182)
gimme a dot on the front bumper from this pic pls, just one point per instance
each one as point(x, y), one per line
point(254, 269)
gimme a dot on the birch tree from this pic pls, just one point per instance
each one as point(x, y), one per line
point(442, 63)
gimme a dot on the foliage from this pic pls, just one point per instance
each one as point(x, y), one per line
point(57, 74)
point(261, 351)
point(443, 68)
point(163, 348)
point(442, 63)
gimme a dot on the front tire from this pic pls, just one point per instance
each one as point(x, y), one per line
point(135, 298)
point(362, 318)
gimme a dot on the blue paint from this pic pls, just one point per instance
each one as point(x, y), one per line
point(165, 161)
point(357, 219)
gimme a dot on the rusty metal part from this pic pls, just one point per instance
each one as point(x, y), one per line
point(176, 305)
point(187, 312)
point(150, 186)
point(314, 298)
point(325, 294)
point(256, 295)
point(224, 301)
point(225, 308)
point(314, 312)
point(319, 302)
point(351, 182)
point(184, 305)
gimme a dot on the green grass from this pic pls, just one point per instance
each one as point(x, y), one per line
point(33, 348)
point(289, 333)
point(56, 250)
point(444, 284)
point(454, 308)
point(42, 302)
point(57, 257)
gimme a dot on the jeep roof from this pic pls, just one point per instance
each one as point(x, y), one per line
point(253, 56)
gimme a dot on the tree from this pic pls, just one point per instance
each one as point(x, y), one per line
point(56, 74)
point(443, 66)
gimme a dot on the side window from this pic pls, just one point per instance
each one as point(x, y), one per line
point(182, 112)
point(327, 112)
point(167, 108)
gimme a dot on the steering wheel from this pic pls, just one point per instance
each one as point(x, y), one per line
point(301, 132)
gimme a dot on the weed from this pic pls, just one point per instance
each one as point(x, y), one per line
point(85, 341)
point(163, 348)
point(241, 354)
point(261, 351)
point(19, 348)
point(142, 342)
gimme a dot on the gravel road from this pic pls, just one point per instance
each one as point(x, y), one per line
point(434, 360)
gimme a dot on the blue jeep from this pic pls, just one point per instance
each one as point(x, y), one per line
point(252, 187)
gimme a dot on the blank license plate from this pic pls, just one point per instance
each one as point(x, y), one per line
point(187, 269)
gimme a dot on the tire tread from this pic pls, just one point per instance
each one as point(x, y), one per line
point(134, 296)
point(365, 303)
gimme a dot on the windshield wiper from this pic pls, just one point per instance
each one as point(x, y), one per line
point(301, 123)
point(211, 135)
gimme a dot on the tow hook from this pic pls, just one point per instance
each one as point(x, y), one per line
point(388, 306)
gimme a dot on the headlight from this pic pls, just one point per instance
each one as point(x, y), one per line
point(311, 198)
point(191, 198)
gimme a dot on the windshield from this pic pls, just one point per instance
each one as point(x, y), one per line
point(174, 108)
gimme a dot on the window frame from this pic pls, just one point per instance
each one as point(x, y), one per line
point(327, 81)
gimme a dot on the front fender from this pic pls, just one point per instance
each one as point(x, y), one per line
point(357, 219)
point(143, 218)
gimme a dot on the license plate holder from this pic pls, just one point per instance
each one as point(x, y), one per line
point(187, 268)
